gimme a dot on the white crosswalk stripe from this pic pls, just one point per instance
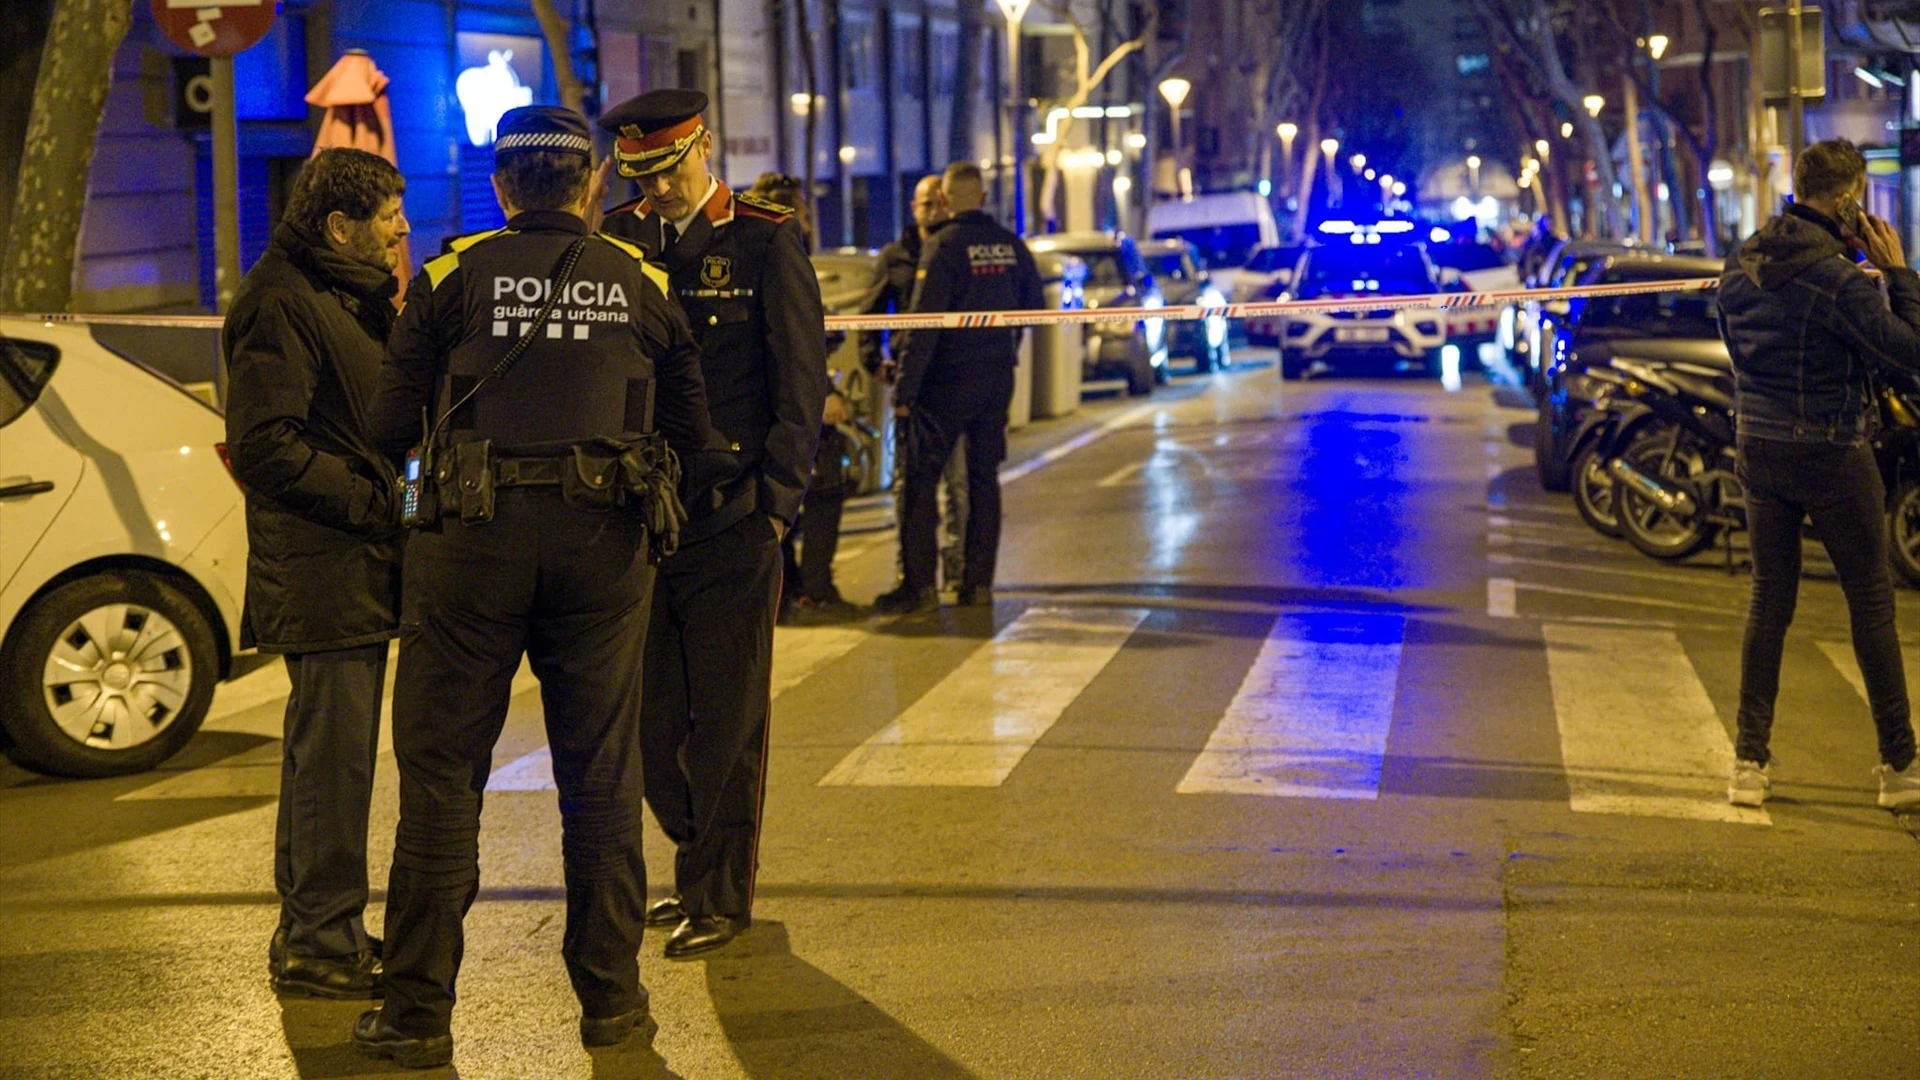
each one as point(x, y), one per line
point(1638, 734)
point(975, 726)
point(1311, 717)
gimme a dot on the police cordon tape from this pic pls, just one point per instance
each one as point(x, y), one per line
point(980, 320)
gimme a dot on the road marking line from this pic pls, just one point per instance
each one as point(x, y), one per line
point(1499, 539)
point(1840, 655)
point(1114, 478)
point(1503, 601)
point(1618, 598)
point(1311, 717)
point(798, 653)
point(1638, 734)
point(1086, 438)
point(1689, 580)
point(973, 728)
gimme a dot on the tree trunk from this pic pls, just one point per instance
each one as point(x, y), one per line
point(70, 93)
point(559, 33)
point(1309, 165)
point(1710, 134)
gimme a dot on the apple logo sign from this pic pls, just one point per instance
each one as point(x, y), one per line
point(486, 93)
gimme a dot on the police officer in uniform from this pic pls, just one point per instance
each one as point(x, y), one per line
point(956, 383)
point(540, 545)
point(738, 265)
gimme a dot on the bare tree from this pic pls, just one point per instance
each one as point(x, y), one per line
point(559, 33)
point(1704, 142)
point(1535, 33)
point(1305, 94)
point(1087, 77)
point(805, 26)
point(69, 95)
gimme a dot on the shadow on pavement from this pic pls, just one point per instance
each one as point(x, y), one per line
point(318, 1034)
point(43, 817)
point(788, 1020)
point(1145, 593)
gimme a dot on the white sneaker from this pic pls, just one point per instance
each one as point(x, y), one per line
point(1750, 783)
point(1899, 789)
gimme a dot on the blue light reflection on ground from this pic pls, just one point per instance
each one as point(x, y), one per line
point(1349, 513)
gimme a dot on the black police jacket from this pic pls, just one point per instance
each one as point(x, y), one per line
point(970, 263)
point(742, 275)
point(304, 342)
point(614, 346)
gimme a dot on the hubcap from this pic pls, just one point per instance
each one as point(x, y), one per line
point(117, 676)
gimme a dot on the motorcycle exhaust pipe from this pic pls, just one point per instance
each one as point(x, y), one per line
point(1666, 498)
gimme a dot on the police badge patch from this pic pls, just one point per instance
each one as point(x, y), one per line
point(716, 271)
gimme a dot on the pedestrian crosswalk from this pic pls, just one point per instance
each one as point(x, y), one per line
point(1316, 713)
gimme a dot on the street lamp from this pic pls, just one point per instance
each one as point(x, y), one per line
point(1358, 161)
point(1566, 129)
point(1175, 90)
point(1594, 103)
point(1287, 130)
point(1014, 11)
point(1540, 146)
point(1657, 45)
point(1473, 171)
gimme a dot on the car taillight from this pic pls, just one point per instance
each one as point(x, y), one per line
point(227, 460)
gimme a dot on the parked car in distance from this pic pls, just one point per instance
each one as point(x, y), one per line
point(1371, 266)
point(1652, 328)
point(1526, 328)
point(1184, 280)
point(1268, 273)
point(1131, 348)
point(123, 554)
point(1225, 227)
point(1478, 268)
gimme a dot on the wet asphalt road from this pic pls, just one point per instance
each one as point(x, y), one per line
point(1308, 738)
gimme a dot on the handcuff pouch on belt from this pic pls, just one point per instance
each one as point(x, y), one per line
point(641, 474)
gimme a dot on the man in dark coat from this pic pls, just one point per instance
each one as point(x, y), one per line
point(738, 265)
point(957, 383)
point(304, 344)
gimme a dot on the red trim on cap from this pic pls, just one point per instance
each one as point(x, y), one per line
point(665, 137)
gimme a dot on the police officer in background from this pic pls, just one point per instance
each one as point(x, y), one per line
point(549, 488)
point(957, 383)
point(738, 265)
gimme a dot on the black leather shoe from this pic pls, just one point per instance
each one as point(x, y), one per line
point(906, 601)
point(666, 912)
point(341, 978)
point(375, 1037)
point(612, 1030)
point(276, 950)
point(703, 933)
point(974, 596)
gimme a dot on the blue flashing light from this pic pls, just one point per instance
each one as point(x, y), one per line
point(1395, 226)
point(1266, 188)
point(1337, 228)
point(1439, 235)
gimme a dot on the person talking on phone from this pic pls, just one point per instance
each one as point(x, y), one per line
point(1807, 329)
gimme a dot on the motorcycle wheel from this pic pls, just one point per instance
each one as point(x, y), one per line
point(1595, 492)
point(1903, 531)
point(1661, 452)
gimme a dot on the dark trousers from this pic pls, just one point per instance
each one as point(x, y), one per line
point(571, 590)
point(331, 738)
point(1839, 487)
point(704, 718)
point(945, 412)
point(818, 533)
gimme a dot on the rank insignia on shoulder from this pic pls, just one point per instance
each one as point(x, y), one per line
point(716, 271)
point(766, 207)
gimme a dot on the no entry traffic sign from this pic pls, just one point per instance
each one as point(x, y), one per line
point(215, 28)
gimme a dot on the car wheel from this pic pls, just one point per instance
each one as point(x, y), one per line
point(1433, 364)
point(1547, 463)
point(1140, 378)
point(1203, 360)
point(1292, 366)
point(107, 675)
point(1903, 531)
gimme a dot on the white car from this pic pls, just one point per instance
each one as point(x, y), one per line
point(1360, 265)
point(123, 554)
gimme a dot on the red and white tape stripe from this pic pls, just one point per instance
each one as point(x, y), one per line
point(962, 320)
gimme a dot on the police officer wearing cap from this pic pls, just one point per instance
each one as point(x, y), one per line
point(738, 265)
point(549, 363)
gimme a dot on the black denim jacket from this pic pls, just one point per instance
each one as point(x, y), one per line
point(1807, 328)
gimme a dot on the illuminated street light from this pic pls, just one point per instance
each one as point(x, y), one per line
point(1287, 131)
point(848, 153)
point(1540, 147)
point(1594, 103)
point(1399, 188)
point(1473, 170)
point(1358, 161)
point(800, 103)
point(1175, 90)
point(1657, 45)
point(1368, 174)
point(1136, 140)
point(1329, 147)
point(1566, 129)
point(1013, 11)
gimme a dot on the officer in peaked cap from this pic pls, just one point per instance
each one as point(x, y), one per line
point(738, 266)
point(552, 363)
